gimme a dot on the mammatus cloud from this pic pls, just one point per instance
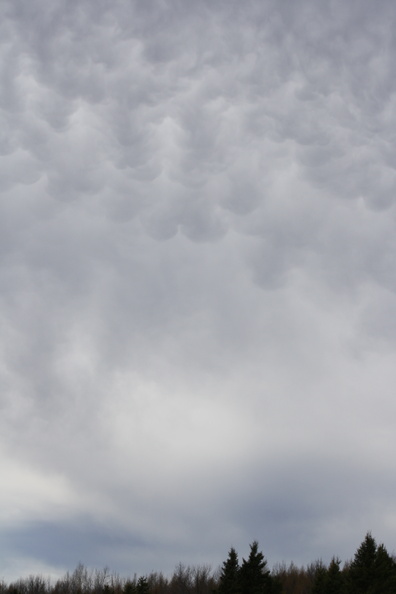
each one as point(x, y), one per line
point(197, 284)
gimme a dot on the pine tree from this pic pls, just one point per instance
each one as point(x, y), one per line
point(384, 572)
point(229, 576)
point(254, 577)
point(320, 577)
point(142, 586)
point(361, 574)
point(334, 579)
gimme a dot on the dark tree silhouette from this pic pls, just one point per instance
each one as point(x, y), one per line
point(229, 576)
point(254, 576)
point(334, 582)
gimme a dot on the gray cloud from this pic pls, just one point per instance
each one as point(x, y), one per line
point(197, 284)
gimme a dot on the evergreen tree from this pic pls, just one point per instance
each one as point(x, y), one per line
point(361, 574)
point(334, 579)
point(254, 577)
point(320, 577)
point(142, 586)
point(372, 571)
point(384, 572)
point(229, 576)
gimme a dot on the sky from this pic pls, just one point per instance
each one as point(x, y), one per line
point(197, 282)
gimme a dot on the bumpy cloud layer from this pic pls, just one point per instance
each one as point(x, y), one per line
point(197, 235)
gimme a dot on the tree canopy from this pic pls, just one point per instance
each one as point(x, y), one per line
point(371, 571)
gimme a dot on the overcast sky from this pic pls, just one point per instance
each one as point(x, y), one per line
point(198, 281)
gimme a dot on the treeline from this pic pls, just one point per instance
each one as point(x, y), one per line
point(371, 571)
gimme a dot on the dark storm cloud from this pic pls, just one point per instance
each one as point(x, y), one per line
point(197, 285)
